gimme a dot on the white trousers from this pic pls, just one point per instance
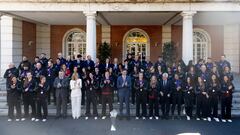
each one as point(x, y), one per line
point(76, 106)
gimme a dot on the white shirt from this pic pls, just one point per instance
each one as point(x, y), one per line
point(76, 86)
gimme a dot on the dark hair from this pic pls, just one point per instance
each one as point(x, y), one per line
point(79, 56)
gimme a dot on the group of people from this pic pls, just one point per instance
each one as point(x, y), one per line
point(138, 81)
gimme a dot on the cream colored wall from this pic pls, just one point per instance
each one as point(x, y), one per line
point(43, 40)
point(232, 45)
point(106, 34)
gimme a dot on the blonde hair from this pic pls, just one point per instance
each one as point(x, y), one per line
point(75, 76)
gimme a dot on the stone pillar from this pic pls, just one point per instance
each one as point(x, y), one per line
point(11, 42)
point(187, 36)
point(91, 34)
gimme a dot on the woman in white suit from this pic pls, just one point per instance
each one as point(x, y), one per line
point(76, 95)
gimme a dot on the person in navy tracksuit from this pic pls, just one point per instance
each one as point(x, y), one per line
point(14, 98)
point(141, 87)
point(214, 88)
point(177, 92)
point(226, 99)
point(153, 98)
point(91, 85)
point(189, 96)
point(29, 96)
point(41, 98)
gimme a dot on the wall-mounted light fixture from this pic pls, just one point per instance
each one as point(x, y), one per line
point(116, 43)
point(30, 43)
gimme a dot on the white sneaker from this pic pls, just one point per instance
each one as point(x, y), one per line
point(198, 119)
point(23, 119)
point(44, 120)
point(32, 119)
point(143, 118)
point(150, 118)
point(17, 119)
point(95, 118)
point(9, 120)
point(229, 120)
point(204, 119)
point(156, 117)
point(188, 118)
point(223, 120)
point(103, 117)
point(36, 120)
point(216, 119)
point(209, 119)
point(137, 118)
point(86, 118)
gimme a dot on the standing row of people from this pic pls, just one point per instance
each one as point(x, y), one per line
point(138, 81)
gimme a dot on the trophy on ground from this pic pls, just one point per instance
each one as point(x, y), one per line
point(113, 116)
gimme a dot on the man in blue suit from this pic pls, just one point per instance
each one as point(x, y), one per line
point(124, 90)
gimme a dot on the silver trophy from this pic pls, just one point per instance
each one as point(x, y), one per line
point(113, 116)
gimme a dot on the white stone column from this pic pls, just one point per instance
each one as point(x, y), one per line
point(91, 34)
point(187, 36)
point(11, 42)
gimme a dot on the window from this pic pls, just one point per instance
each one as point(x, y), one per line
point(75, 43)
point(201, 45)
point(136, 43)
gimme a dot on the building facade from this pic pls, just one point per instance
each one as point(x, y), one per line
point(200, 29)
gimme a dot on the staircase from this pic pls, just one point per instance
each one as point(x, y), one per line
point(52, 108)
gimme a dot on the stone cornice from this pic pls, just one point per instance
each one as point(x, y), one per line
point(119, 1)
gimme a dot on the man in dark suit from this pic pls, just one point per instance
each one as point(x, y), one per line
point(61, 85)
point(11, 71)
point(107, 65)
point(165, 93)
point(223, 63)
point(79, 63)
point(124, 89)
point(89, 64)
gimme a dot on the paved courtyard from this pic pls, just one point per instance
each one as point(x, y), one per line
point(102, 127)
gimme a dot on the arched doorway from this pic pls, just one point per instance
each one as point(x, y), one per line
point(74, 43)
point(201, 45)
point(137, 42)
